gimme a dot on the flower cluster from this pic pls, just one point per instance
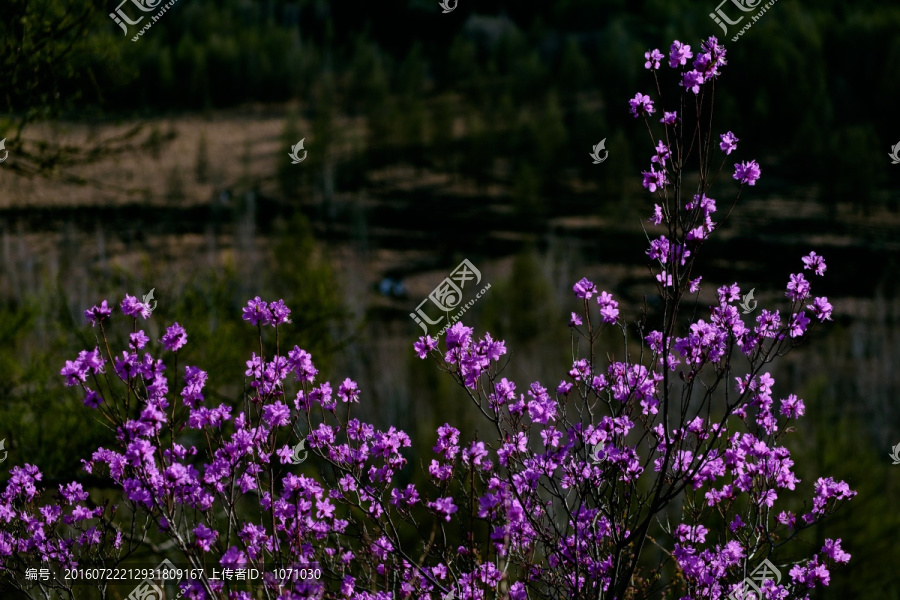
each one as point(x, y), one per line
point(567, 485)
point(705, 69)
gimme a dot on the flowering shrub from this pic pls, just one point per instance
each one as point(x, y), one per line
point(566, 491)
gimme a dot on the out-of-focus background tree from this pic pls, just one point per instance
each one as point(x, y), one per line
point(163, 163)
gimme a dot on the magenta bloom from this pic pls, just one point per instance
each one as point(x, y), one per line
point(443, 506)
point(679, 54)
point(641, 105)
point(280, 312)
point(657, 217)
point(814, 261)
point(821, 308)
point(174, 338)
point(747, 172)
point(584, 288)
point(669, 118)
point(133, 307)
point(654, 180)
point(257, 312)
point(425, 345)
point(653, 57)
point(662, 154)
point(797, 287)
point(692, 80)
point(609, 308)
point(711, 58)
point(349, 391)
point(793, 407)
point(138, 339)
point(95, 314)
point(832, 549)
point(204, 537)
point(728, 143)
point(458, 336)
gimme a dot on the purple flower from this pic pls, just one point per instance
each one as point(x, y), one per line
point(641, 105)
point(832, 550)
point(174, 338)
point(679, 54)
point(541, 408)
point(234, 558)
point(814, 261)
point(662, 154)
point(92, 399)
point(711, 58)
point(747, 172)
point(138, 340)
point(695, 285)
point(654, 179)
point(133, 307)
point(257, 312)
point(657, 217)
point(72, 493)
point(669, 118)
point(574, 320)
point(728, 143)
point(692, 80)
point(821, 308)
point(799, 323)
point(443, 506)
point(665, 279)
point(792, 407)
point(609, 308)
point(194, 380)
point(95, 314)
point(280, 313)
point(276, 415)
point(425, 345)
point(787, 518)
point(653, 57)
point(87, 363)
point(300, 362)
point(285, 454)
point(797, 287)
point(458, 336)
point(585, 288)
point(348, 391)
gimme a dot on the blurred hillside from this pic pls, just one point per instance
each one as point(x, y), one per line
point(494, 90)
